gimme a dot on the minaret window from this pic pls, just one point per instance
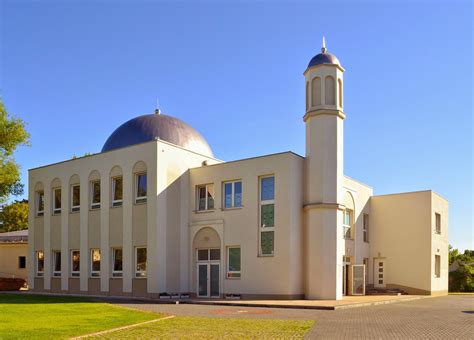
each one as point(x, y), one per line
point(307, 96)
point(330, 89)
point(339, 91)
point(316, 91)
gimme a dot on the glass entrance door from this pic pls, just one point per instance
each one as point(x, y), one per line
point(208, 280)
point(358, 279)
point(203, 279)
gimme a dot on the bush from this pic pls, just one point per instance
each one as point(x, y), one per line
point(462, 280)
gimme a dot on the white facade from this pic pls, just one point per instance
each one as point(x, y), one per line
point(156, 217)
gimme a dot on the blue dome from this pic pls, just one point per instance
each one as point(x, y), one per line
point(324, 58)
point(152, 126)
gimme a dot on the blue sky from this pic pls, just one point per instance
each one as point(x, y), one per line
point(76, 70)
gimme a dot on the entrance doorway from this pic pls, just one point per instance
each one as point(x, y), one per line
point(208, 272)
point(346, 264)
point(379, 273)
point(208, 280)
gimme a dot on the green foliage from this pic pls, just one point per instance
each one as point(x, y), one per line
point(12, 135)
point(461, 280)
point(14, 216)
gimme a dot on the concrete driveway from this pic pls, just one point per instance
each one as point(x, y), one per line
point(447, 317)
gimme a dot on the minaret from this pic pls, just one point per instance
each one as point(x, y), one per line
point(324, 120)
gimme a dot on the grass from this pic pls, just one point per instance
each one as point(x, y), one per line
point(216, 328)
point(53, 317)
point(461, 293)
point(33, 316)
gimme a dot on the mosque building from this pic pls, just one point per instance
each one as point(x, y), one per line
point(156, 212)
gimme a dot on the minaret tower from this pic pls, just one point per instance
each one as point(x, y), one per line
point(324, 119)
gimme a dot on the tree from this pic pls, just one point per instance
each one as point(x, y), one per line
point(12, 135)
point(462, 279)
point(14, 216)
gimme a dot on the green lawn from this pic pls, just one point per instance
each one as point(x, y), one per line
point(34, 316)
point(30, 316)
point(216, 328)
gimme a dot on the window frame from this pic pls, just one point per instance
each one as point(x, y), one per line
point(230, 273)
point(206, 207)
point(94, 205)
point(116, 273)
point(56, 210)
point(39, 273)
point(437, 226)
point(75, 208)
point(437, 266)
point(141, 274)
point(94, 273)
point(75, 273)
point(208, 259)
point(347, 228)
point(39, 199)
point(140, 199)
point(55, 272)
point(232, 198)
point(365, 227)
point(262, 229)
point(118, 202)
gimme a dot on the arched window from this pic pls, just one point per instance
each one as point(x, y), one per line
point(307, 96)
point(316, 91)
point(330, 89)
point(339, 87)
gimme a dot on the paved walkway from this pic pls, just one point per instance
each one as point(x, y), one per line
point(447, 317)
point(346, 302)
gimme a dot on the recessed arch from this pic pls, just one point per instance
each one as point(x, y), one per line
point(94, 175)
point(139, 166)
point(55, 183)
point(316, 91)
point(206, 237)
point(116, 171)
point(74, 179)
point(330, 91)
point(39, 186)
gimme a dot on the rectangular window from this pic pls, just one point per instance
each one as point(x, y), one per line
point(140, 192)
point(438, 223)
point(75, 263)
point(75, 197)
point(232, 194)
point(208, 254)
point(347, 226)
point(39, 263)
point(366, 227)
point(117, 191)
point(39, 203)
point(233, 262)
point(95, 195)
point(267, 215)
point(140, 262)
point(57, 201)
point(21, 262)
point(205, 197)
point(56, 263)
point(95, 262)
point(437, 269)
point(117, 262)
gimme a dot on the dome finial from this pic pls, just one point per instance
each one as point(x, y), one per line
point(323, 49)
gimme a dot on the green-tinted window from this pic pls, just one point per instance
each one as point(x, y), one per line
point(267, 242)
point(234, 261)
point(268, 215)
